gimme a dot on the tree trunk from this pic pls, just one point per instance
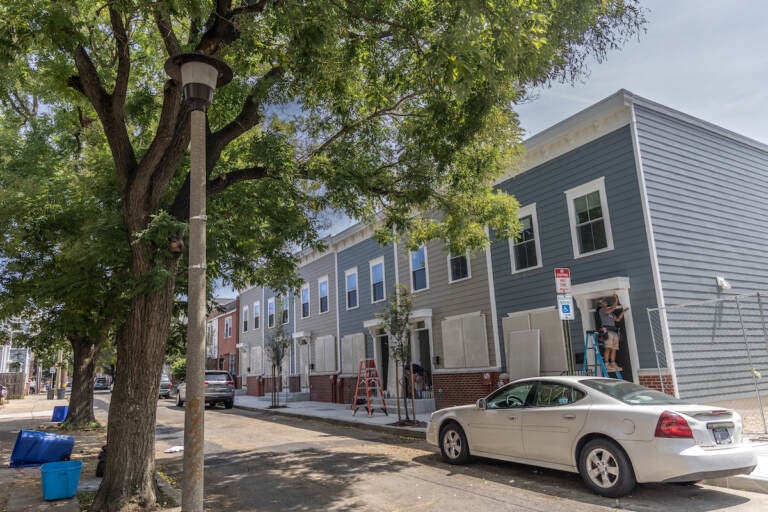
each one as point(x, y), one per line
point(397, 391)
point(85, 351)
point(129, 482)
point(413, 393)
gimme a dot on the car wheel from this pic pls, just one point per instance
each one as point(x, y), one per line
point(453, 444)
point(179, 401)
point(229, 404)
point(606, 469)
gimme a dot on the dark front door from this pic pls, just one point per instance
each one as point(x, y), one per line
point(426, 357)
point(384, 376)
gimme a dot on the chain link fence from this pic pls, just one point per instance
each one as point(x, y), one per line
point(717, 352)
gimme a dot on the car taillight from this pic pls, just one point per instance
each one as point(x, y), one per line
point(230, 383)
point(672, 425)
point(206, 382)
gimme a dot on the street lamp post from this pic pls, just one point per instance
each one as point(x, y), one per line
point(200, 75)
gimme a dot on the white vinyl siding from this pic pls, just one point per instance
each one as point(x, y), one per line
point(589, 219)
point(465, 342)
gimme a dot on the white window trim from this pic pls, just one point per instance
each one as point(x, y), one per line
point(426, 270)
point(521, 213)
point(582, 190)
point(347, 273)
point(271, 305)
point(319, 297)
point(469, 268)
point(286, 307)
point(228, 321)
point(371, 264)
point(305, 286)
point(244, 323)
point(256, 307)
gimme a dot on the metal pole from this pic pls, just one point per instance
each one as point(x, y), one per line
point(192, 489)
point(569, 347)
point(751, 366)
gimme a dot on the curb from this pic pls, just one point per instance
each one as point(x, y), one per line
point(401, 431)
point(740, 483)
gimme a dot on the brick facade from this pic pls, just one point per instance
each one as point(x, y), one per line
point(462, 388)
point(255, 385)
point(654, 382)
point(322, 388)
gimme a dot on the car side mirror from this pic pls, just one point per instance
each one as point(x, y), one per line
point(481, 403)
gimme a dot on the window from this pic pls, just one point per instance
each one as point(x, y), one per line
point(552, 394)
point(590, 225)
point(526, 253)
point(351, 279)
point(305, 301)
point(284, 302)
point(465, 341)
point(419, 279)
point(458, 267)
point(322, 285)
point(510, 397)
point(271, 312)
point(377, 280)
point(256, 314)
point(245, 318)
point(228, 327)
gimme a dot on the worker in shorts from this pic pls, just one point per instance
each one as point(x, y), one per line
point(608, 319)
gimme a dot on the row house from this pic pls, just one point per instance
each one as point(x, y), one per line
point(222, 338)
point(635, 198)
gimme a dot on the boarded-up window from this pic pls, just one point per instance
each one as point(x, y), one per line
point(352, 351)
point(324, 354)
point(465, 342)
point(257, 359)
point(547, 324)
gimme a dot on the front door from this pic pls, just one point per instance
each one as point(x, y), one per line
point(425, 358)
point(303, 369)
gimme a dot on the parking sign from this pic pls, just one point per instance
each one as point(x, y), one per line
point(563, 280)
point(565, 307)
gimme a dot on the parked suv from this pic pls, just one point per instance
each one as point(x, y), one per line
point(219, 389)
point(165, 387)
point(100, 384)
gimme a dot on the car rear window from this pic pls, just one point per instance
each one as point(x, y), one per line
point(223, 377)
point(631, 393)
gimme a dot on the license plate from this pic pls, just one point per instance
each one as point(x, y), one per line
point(722, 436)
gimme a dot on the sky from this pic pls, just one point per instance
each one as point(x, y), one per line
point(706, 58)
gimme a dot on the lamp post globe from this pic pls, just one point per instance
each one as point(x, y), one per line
point(199, 75)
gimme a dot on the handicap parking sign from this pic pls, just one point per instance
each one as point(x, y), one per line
point(565, 307)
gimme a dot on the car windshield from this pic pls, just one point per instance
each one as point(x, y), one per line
point(165, 378)
point(219, 377)
point(631, 393)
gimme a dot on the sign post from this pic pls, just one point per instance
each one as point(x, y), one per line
point(565, 309)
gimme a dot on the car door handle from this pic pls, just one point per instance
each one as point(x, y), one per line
point(569, 416)
point(512, 418)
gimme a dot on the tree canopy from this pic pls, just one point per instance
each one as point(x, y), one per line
point(381, 109)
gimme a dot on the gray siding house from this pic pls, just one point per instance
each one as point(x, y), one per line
point(650, 204)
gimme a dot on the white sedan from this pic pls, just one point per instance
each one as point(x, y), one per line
point(614, 433)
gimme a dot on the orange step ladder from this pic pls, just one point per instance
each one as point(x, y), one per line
point(369, 384)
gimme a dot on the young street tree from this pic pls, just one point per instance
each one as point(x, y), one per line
point(396, 319)
point(368, 107)
point(276, 348)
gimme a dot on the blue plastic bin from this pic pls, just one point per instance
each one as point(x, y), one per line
point(60, 413)
point(60, 479)
point(33, 448)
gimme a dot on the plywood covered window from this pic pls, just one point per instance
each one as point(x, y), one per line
point(465, 342)
point(324, 354)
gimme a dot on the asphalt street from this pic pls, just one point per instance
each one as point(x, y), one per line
point(260, 461)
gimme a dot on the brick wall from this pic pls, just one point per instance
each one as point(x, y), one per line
point(345, 389)
point(321, 388)
point(461, 388)
point(255, 386)
point(654, 382)
point(294, 384)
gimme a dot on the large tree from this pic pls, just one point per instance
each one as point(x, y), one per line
point(372, 107)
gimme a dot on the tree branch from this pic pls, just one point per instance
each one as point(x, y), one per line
point(248, 117)
point(165, 29)
point(89, 83)
point(123, 62)
point(224, 181)
point(221, 29)
point(256, 7)
point(390, 111)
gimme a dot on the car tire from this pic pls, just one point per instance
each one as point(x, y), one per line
point(229, 404)
point(606, 469)
point(453, 444)
point(179, 401)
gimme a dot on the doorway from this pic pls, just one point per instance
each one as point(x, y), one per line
point(424, 357)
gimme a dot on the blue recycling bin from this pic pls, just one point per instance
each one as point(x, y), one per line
point(60, 479)
point(60, 413)
point(33, 448)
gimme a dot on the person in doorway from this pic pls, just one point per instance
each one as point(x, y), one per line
point(608, 320)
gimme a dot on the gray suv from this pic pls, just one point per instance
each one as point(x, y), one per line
point(219, 389)
point(165, 387)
